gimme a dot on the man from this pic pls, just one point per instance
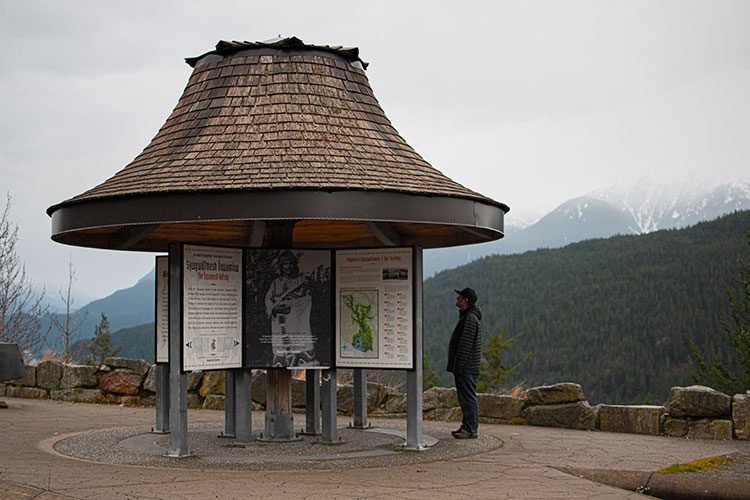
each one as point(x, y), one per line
point(464, 359)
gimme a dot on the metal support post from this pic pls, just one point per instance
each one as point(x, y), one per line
point(178, 438)
point(360, 400)
point(229, 405)
point(312, 403)
point(414, 439)
point(162, 399)
point(328, 396)
point(243, 401)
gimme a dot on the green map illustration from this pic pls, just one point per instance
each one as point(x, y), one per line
point(359, 323)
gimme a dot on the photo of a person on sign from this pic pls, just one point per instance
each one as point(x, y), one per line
point(288, 306)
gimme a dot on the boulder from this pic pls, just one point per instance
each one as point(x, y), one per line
point(28, 379)
point(148, 401)
point(699, 429)
point(565, 392)
point(214, 382)
point(194, 379)
point(25, 392)
point(642, 419)
point(77, 394)
point(439, 397)
point(697, 401)
point(137, 366)
point(445, 414)
point(2, 390)
point(577, 415)
point(741, 415)
point(194, 400)
point(149, 383)
point(130, 401)
point(214, 402)
point(377, 394)
point(259, 387)
point(121, 381)
point(676, 427)
point(499, 406)
point(396, 403)
point(299, 393)
point(48, 374)
point(78, 376)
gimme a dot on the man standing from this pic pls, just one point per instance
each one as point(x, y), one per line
point(464, 360)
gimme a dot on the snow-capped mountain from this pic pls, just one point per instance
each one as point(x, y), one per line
point(636, 207)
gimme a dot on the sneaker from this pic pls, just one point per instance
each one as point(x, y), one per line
point(453, 433)
point(464, 435)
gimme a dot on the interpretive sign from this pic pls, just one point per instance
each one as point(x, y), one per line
point(374, 308)
point(287, 308)
point(162, 309)
point(211, 308)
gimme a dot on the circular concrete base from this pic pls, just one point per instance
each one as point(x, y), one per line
point(373, 447)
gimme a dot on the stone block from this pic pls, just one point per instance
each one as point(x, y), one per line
point(741, 415)
point(11, 362)
point(676, 427)
point(214, 382)
point(697, 401)
point(130, 401)
point(2, 390)
point(259, 387)
point(149, 401)
point(28, 379)
point(48, 374)
point(121, 381)
point(78, 376)
point(137, 366)
point(565, 392)
point(439, 397)
point(376, 396)
point(214, 402)
point(444, 414)
point(13, 391)
point(642, 419)
point(710, 429)
point(77, 394)
point(499, 406)
point(194, 380)
point(194, 400)
point(577, 415)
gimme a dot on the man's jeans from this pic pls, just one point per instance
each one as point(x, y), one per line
point(466, 385)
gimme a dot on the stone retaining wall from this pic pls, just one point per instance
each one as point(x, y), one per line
point(691, 412)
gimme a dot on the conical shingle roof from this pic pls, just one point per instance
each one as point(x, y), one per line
point(284, 122)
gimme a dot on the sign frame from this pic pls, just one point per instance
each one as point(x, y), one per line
point(161, 356)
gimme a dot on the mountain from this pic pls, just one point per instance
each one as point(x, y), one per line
point(616, 315)
point(625, 208)
point(124, 308)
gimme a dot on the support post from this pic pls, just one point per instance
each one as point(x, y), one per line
point(360, 400)
point(312, 403)
point(162, 399)
point(229, 405)
point(243, 402)
point(414, 438)
point(178, 438)
point(328, 396)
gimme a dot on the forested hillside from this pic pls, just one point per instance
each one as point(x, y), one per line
point(615, 315)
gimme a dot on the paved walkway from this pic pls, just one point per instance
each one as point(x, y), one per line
point(514, 462)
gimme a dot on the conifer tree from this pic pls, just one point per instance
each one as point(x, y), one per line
point(101, 344)
point(492, 373)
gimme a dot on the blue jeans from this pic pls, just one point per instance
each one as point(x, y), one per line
point(466, 385)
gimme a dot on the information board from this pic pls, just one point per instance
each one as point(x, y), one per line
point(374, 296)
point(162, 309)
point(288, 308)
point(211, 308)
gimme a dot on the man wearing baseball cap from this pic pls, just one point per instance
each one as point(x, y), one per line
point(464, 360)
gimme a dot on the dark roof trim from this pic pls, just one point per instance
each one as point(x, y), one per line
point(284, 46)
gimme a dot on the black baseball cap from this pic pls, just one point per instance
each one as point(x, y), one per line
point(468, 293)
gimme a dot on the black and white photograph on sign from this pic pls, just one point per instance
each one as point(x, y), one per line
point(374, 308)
point(212, 308)
point(287, 308)
point(162, 309)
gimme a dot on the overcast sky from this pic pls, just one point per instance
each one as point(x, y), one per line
point(528, 102)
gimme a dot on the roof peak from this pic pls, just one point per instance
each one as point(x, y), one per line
point(225, 48)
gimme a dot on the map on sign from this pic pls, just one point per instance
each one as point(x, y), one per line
point(359, 320)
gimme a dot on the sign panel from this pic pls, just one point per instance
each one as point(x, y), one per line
point(211, 308)
point(162, 309)
point(287, 308)
point(374, 297)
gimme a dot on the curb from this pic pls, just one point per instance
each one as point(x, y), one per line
point(671, 486)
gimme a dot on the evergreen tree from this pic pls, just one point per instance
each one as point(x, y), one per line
point(101, 344)
point(429, 377)
point(492, 373)
point(716, 373)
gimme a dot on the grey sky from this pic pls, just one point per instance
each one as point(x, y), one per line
point(529, 102)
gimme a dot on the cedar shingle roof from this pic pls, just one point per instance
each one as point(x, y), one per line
point(277, 116)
